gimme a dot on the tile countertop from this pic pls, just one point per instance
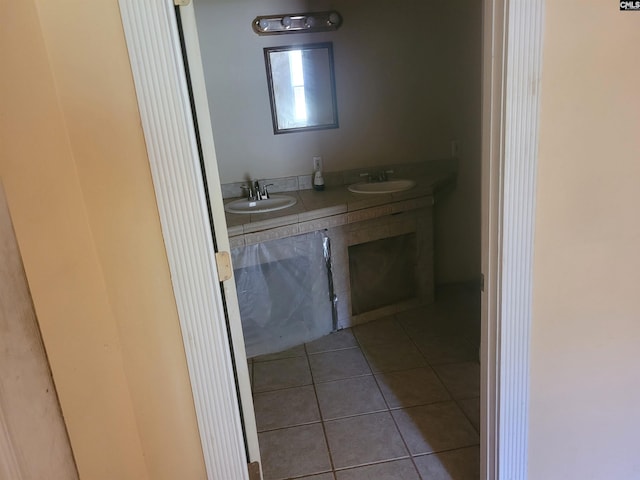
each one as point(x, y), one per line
point(334, 201)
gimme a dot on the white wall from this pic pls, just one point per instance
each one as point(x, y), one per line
point(407, 81)
point(585, 351)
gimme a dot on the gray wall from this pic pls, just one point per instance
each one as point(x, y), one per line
point(407, 81)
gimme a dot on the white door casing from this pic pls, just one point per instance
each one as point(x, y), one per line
point(512, 61)
point(151, 33)
point(492, 140)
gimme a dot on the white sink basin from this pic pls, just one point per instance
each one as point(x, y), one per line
point(275, 202)
point(389, 186)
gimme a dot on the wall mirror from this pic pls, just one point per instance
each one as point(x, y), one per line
point(301, 87)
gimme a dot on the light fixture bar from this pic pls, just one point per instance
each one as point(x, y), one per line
point(296, 23)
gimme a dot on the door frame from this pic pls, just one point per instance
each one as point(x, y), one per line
point(512, 58)
point(512, 73)
point(513, 32)
point(214, 192)
point(157, 63)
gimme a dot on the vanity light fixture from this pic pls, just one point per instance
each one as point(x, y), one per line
point(296, 23)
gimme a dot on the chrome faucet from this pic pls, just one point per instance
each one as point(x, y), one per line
point(383, 175)
point(255, 192)
point(265, 192)
point(251, 196)
point(369, 177)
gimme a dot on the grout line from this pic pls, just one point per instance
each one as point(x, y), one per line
point(446, 450)
point(354, 415)
point(428, 404)
point(442, 364)
point(302, 477)
point(282, 388)
point(339, 349)
point(368, 464)
point(304, 424)
point(393, 419)
point(271, 360)
point(464, 412)
point(457, 402)
point(324, 429)
point(472, 397)
point(452, 398)
point(322, 382)
point(314, 382)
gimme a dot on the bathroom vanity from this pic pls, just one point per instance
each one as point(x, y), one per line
point(381, 244)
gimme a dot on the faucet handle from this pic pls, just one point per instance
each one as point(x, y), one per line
point(265, 192)
point(249, 190)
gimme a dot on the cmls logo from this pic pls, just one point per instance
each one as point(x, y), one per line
point(626, 5)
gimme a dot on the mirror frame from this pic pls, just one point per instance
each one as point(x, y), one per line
point(334, 102)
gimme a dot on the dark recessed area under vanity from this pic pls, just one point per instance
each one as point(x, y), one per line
point(381, 255)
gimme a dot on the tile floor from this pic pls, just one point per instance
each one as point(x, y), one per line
point(393, 399)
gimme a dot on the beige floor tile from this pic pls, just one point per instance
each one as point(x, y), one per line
point(399, 469)
point(297, 351)
point(409, 388)
point(432, 328)
point(461, 379)
point(356, 441)
point(471, 408)
point(430, 311)
point(463, 310)
point(338, 364)
point(431, 428)
point(462, 464)
point(286, 408)
point(380, 331)
point(440, 350)
point(334, 341)
point(278, 374)
point(293, 452)
point(369, 445)
point(393, 356)
point(424, 319)
point(352, 396)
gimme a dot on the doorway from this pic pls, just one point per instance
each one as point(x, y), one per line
point(438, 109)
point(502, 25)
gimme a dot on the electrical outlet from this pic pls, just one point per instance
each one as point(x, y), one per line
point(317, 164)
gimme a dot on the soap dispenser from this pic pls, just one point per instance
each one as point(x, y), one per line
point(318, 181)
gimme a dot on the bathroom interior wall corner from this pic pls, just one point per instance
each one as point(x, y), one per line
point(457, 217)
point(407, 81)
point(77, 180)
